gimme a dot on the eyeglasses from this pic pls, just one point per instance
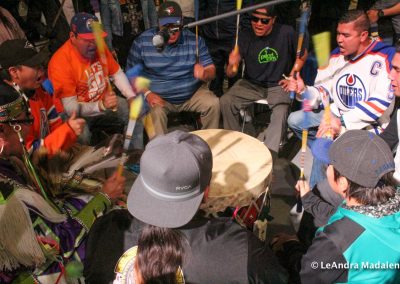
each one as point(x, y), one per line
point(264, 21)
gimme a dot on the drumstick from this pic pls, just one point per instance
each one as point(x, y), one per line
point(134, 112)
point(306, 110)
point(196, 15)
point(140, 84)
point(149, 125)
point(101, 47)
point(236, 48)
point(302, 30)
point(322, 46)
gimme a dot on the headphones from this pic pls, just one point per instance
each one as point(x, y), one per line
point(160, 39)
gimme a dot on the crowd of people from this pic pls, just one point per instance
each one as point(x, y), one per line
point(60, 225)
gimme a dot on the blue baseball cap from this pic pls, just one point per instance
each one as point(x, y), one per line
point(81, 25)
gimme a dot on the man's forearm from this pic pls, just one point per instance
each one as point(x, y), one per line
point(122, 83)
point(394, 10)
point(71, 104)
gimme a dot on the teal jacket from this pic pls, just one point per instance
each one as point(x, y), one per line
point(358, 245)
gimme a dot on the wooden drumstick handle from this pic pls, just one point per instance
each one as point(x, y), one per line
point(235, 67)
point(236, 49)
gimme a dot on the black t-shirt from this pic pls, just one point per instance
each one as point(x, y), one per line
point(219, 251)
point(267, 58)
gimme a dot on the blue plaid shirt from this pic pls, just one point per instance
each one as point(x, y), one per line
point(171, 70)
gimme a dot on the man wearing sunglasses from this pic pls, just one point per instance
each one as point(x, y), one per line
point(175, 71)
point(268, 51)
point(220, 37)
point(23, 68)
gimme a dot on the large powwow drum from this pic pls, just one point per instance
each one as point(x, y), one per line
point(241, 169)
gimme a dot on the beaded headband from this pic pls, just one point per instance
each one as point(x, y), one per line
point(12, 110)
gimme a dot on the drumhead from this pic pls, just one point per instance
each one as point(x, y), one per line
point(241, 168)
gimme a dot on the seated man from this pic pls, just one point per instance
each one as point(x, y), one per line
point(39, 240)
point(391, 135)
point(174, 179)
point(268, 51)
point(23, 68)
point(356, 80)
point(361, 171)
point(176, 73)
point(79, 75)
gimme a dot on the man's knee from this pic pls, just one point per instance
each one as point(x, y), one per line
point(226, 100)
point(212, 104)
point(295, 119)
point(158, 111)
point(280, 110)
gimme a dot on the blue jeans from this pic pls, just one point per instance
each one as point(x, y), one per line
point(111, 17)
point(149, 11)
point(296, 123)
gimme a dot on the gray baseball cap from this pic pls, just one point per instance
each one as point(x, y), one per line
point(362, 157)
point(175, 169)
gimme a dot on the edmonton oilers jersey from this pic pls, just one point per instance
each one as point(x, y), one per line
point(359, 89)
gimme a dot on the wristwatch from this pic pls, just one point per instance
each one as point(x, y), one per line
point(381, 14)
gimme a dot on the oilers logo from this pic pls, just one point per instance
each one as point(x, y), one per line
point(350, 90)
point(44, 124)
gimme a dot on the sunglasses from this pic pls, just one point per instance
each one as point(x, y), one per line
point(172, 29)
point(264, 21)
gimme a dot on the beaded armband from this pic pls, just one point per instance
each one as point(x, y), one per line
point(99, 204)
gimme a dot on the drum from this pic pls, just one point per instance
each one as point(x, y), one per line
point(241, 169)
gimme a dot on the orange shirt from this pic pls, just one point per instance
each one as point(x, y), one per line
point(48, 130)
point(73, 75)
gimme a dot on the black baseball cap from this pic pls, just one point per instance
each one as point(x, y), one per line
point(21, 52)
point(169, 13)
